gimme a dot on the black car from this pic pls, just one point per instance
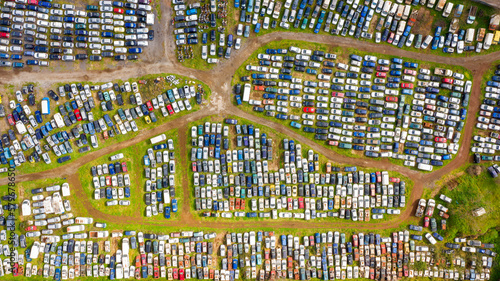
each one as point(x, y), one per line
point(477, 158)
point(132, 57)
point(95, 58)
point(53, 95)
point(120, 57)
point(31, 99)
point(151, 35)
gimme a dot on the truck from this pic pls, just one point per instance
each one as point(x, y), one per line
point(326, 4)
point(445, 198)
point(469, 36)
point(385, 178)
point(430, 207)
point(45, 106)
point(440, 5)
point(480, 34)
point(442, 72)
point(420, 208)
point(116, 157)
point(487, 41)
point(496, 38)
point(158, 138)
point(246, 92)
point(472, 15)
point(98, 234)
point(448, 9)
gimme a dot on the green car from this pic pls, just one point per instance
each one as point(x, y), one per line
point(345, 145)
point(304, 24)
point(92, 7)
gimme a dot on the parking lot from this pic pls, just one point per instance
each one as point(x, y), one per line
point(41, 32)
point(380, 107)
point(239, 182)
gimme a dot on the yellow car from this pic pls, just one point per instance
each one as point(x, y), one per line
point(148, 120)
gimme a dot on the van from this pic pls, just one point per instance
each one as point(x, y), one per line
point(387, 7)
point(469, 36)
point(487, 41)
point(424, 167)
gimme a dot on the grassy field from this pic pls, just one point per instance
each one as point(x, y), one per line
point(275, 165)
point(342, 56)
point(155, 85)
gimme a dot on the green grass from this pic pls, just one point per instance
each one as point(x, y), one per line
point(342, 56)
point(274, 165)
point(148, 91)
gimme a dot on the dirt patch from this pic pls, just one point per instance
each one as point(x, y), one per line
point(475, 170)
point(452, 184)
point(423, 24)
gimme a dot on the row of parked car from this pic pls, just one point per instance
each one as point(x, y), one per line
point(36, 32)
point(253, 255)
point(486, 144)
point(395, 21)
point(159, 171)
point(386, 108)
point(225, 179)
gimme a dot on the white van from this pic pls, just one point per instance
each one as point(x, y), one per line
point(424, 167)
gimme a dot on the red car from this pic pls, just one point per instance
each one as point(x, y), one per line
point(406, 86)
point(143, 259)
point(391, 37)
point(381, 74)
point(181, 274)
point(379, 176)
point(393, 179)
point(149, 105)
point(194, 167)
point(391, 98)
point(410, 72)
point(108, 180)
point(4, 35)
point(156, 271)
point(30, 228)
point(447, 80)
point(309, 109)
point(301, 203)
point(333, 143)
point(426, 221)
point(77, 114)
point(382, 68)
point(11, 120)
point(118, 10)
point(170, 109)
point(124, 167)
point(440, 139)
point(337, 94)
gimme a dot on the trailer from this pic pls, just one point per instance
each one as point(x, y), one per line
point(277, 10)
point(494, 22)
point(45, 106)
point(413, 18)
point(399, 12)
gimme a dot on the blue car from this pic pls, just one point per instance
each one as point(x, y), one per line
point(174, 205)
point(167, 212)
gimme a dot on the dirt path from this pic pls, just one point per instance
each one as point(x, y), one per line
point(219, 80)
